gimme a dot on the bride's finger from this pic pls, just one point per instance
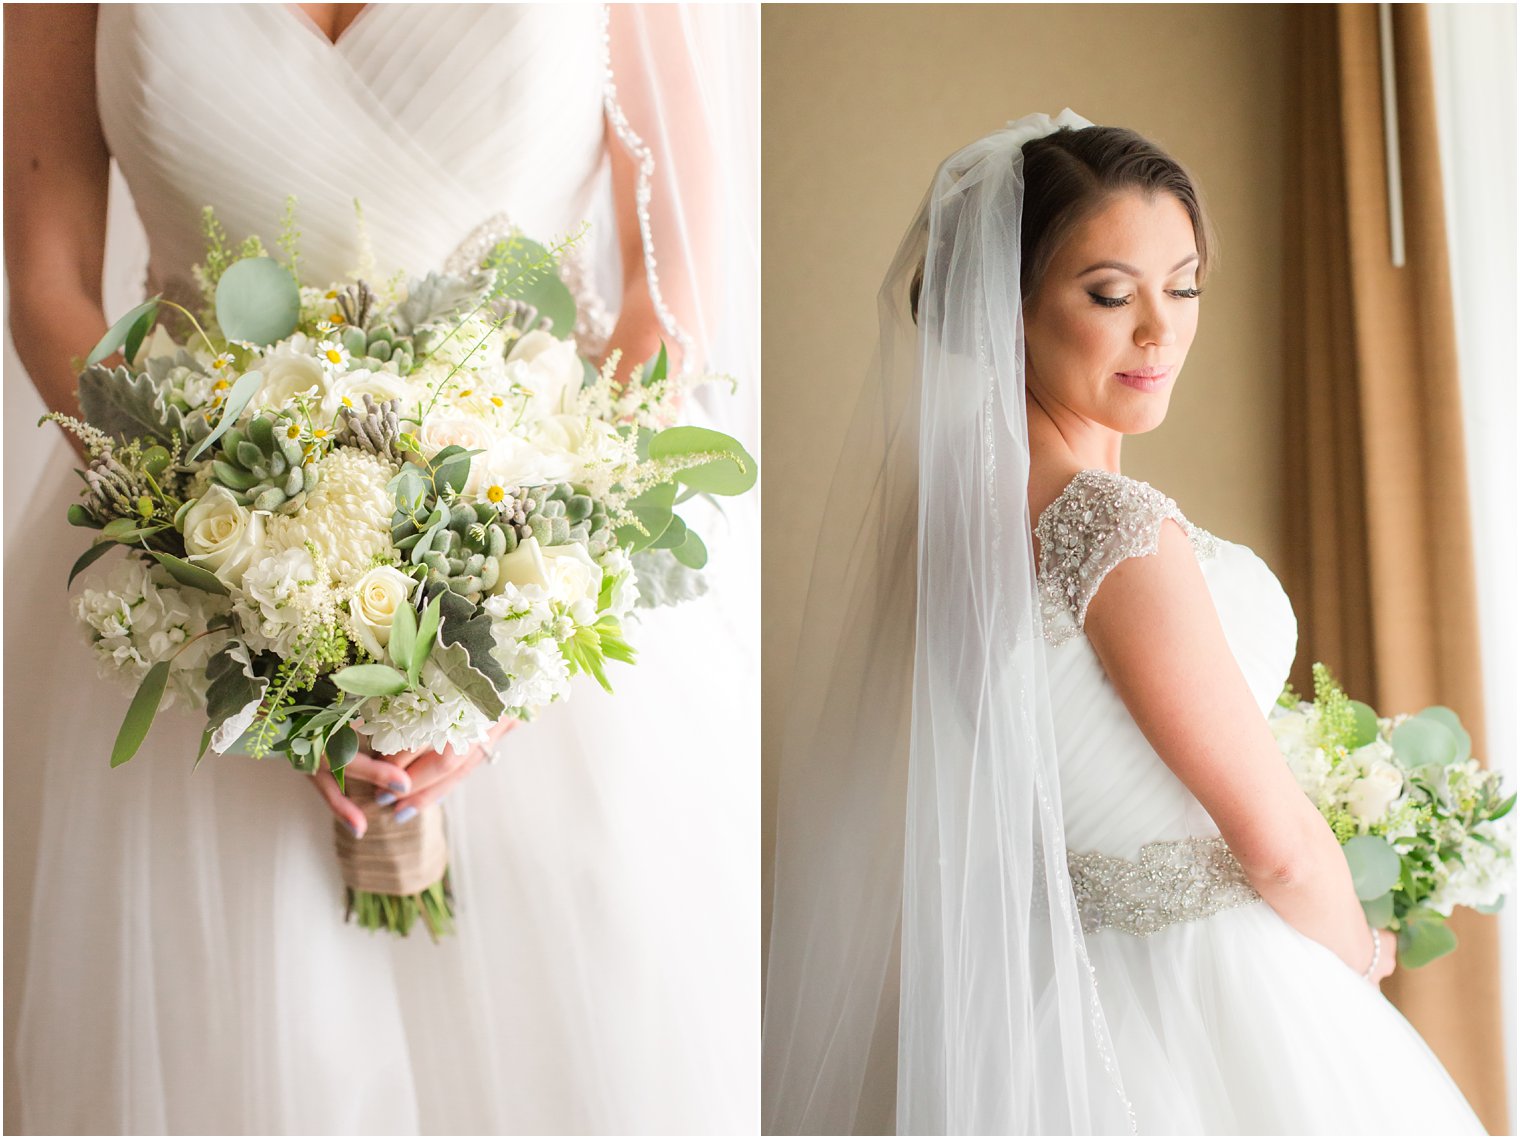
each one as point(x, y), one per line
point(438, 765)
point(381, 772)
point(434, 791)
point(347, 811)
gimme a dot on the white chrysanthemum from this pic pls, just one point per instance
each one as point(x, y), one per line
point(280, 598)
point(434, 715)
point(347, 517)
point(139, 616)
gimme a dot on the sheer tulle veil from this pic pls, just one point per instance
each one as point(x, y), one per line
point(918, 786)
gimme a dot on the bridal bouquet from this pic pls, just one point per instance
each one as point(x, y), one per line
point(1423, 826)
point(408, 508)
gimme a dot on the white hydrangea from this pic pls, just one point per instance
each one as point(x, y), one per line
point(434, 715)
point(139, 616)
point(1482, 873)
point(347, 517)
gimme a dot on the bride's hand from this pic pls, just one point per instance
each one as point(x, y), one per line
point(1388, 959)
point(434, 774)
point(386, 774)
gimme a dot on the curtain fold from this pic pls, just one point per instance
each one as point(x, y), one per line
point(1381, 570)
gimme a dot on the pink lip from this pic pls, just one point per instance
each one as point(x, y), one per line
point(1145, 379)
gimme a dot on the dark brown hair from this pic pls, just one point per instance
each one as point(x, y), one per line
point(1070, 175)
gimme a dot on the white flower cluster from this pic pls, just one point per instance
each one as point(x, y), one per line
point(138, 616)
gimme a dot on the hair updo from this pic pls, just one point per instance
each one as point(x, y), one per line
point(1071, 174)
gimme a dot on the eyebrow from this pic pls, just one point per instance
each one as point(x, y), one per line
point(1130, 269)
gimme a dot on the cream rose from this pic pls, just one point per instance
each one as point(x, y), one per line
point(222, 535)
point(377, 597)
point(290, 371)
point(549, 369)
point(1370, 796)
point(574, 579)
point(524, 567)
point(379, 386)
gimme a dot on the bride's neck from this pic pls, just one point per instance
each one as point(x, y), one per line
point(1065, 443)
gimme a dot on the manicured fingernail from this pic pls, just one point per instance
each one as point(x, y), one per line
point(406, 814)
point(399, 787)
point(353, 828)
point(385, 798)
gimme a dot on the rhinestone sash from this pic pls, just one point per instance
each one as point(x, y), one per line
point(1172, 881)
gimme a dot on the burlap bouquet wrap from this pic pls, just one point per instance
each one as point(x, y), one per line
point(398, 859)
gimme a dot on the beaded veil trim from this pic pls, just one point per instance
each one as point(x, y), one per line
point(1100, 519)
point(1173, 881)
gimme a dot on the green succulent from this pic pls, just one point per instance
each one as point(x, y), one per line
point(376, 429)
point(266, 465)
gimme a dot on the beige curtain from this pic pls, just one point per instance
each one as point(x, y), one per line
point(1381, 570)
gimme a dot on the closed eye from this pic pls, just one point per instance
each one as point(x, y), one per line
point(1120, 302)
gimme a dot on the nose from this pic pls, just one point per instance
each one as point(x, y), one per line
point(1153, 326)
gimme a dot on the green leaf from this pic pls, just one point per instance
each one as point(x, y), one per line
point(79, 516)
point(127, 406)
point(1503, 808)
point(735, 473)
point(1374, 865)
point(117, 334)
point(144, 706)
point(127, 530)
point(674, 535)
point(187, 573)
point(404, 637)
point(548, 293)
point(232, 687)
point(691, 553)
point(1364, 725)
point(257, 300)
point(427, 635)
point(1453, 723)
point(652, 509)
point(1423, 940)
point(454, 471)
point(205, 744)
point(455, 662)
point(88, 558)
point(136, 335)
point(342, 746)
point(237, 399)
point(370, 680)
point(1491, 908)
point(1379, 911)
point(657, 367)
point(1419, 741)
point(461, 623)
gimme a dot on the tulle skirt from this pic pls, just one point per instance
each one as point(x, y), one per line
point(1237, 1024)
point(186, 964)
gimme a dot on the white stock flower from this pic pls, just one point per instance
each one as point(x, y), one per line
point(222, 535)
point(377, 597)
point(347, 517)
point(279, 600)
point(434, 715)
point(549, 370)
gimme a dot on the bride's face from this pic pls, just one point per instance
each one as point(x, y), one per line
point(1116, 300)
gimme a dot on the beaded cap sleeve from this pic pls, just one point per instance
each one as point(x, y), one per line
point(1100, 519)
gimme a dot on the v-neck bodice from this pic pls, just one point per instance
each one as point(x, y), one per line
point(434, 117)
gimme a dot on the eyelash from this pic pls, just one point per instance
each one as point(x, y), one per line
point(1120, 302)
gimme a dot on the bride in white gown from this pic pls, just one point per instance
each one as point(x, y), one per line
point(1117, 911)
point(186, 965)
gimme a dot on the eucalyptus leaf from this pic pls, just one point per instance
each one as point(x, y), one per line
point(1364, 726)
point(1491, 908)
point(137, 334)
point(652, 509)
point(674, 535)
point(1374, 865)
point(1419, 741)
point(404, 637)
point(657, 367)
point(139, 718)
point(342, 746)
point(691, 553)
point(187, 573)
point(427, 636)
point(1443, 715)
point(370, 680)
point(1423, 940)
point(735, 473)
point(257, 300)
point(237, 399)
point(547, 293)
point(1379, 911)
point(88, 558)
point(117, 334)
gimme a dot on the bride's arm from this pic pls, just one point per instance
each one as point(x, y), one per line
point(56, 183)
point(661, 99)
point(1154, 627)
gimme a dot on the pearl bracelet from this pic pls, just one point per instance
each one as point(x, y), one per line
point(1377, 954)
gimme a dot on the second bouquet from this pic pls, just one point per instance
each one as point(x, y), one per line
point(408, 509)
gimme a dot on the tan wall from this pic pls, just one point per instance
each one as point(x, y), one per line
point(860, 104)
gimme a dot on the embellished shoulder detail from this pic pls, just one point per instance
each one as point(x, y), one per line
point(1098, 521)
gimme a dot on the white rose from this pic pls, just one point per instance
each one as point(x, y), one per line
point(377, 597)
point(514, 462)
point(290, 370)
point(222, 535)
point(574, 579)
point(524, 567)
point(379, 386)
point(1369, 797)
point(550, 369)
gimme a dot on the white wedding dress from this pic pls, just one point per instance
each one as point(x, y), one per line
point(1224, 1018)
point(186, 965)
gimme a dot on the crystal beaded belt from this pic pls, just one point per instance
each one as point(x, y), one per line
point(1172, 881)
